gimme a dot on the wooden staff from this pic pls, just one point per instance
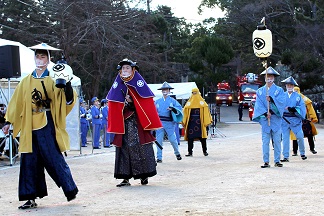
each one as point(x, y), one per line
point(267, 89)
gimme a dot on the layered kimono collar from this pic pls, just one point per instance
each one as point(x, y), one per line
point(44, 74)
point(196, 101)
point(119, 88)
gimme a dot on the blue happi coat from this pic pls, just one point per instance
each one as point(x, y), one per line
point(163, 104)
point(294, 100)
point(277, 106)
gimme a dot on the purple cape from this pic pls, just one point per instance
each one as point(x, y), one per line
point(119, 88)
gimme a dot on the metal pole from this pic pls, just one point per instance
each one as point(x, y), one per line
point(10, 128)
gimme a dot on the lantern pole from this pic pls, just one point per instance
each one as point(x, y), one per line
point(265, 65)
point(262, 45)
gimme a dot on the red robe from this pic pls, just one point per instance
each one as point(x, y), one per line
point(146, 113)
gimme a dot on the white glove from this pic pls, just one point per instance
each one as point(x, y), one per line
point(100, 116)
point(89, 116)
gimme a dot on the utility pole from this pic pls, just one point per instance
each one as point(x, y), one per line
point(148, 6)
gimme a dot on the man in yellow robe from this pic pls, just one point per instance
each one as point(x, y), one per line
point(312, 118)
point(38, 110)
point(196, 118)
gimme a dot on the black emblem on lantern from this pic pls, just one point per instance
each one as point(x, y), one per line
point(258, 43)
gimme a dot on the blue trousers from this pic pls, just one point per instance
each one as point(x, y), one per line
point(177, 132)
point(168, 127)
point(84, 132)
point(96, 134)
point(286, 142)
point(45, 155)
point(266, 137)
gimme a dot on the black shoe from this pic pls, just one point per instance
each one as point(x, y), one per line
point(303, 157)
point(294, 154)
point(285, 160)
point(107, 146)
point(314, 152)
point(72, 197)
point(28, 205)
point(125, 182)
point(240, 120)
point(144, 181)
point(178, 157)
point(266, 165)
point(96, 148)
point(188, 155)
point(205, 153)
point(85, 146)
point(158, 161)
point(277, 164)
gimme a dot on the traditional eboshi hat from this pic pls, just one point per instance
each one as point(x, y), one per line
point(290, 80)
point(165, 85)
point(44, 47)
point(125, 62)
point(270, 71)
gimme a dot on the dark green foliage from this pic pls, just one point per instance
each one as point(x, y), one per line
point(96, 34)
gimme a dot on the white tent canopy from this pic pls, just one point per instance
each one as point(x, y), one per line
point(27, 66)
point(27, 62)
point(181, 90)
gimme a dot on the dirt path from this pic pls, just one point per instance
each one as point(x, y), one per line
point(227, 182)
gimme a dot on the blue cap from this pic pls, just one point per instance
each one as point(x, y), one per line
point(81, 100)
point(104, 101)
point(94, 99)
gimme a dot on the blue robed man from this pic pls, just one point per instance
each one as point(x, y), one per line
point(170, 114)
point(96, 122)
point(83, 123)
point(108, 137)
point(273, 96)
point(295, 112)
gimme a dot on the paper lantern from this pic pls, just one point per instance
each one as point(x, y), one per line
point(262, 41)
point(61, 74)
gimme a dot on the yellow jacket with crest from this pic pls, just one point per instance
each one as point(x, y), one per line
point(22, 115)
point(196, 101)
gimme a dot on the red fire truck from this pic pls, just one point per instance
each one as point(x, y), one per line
point(224, 94)
point(248, 84)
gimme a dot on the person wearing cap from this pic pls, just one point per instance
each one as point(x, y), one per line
point(268, 111)
point(131, 118)
point(96, 122)
point(83, 123)
point(104, 111)
point(295, 112)
point(196, 119)
point(310, 130)
point(165, 107)
point(38, 110)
